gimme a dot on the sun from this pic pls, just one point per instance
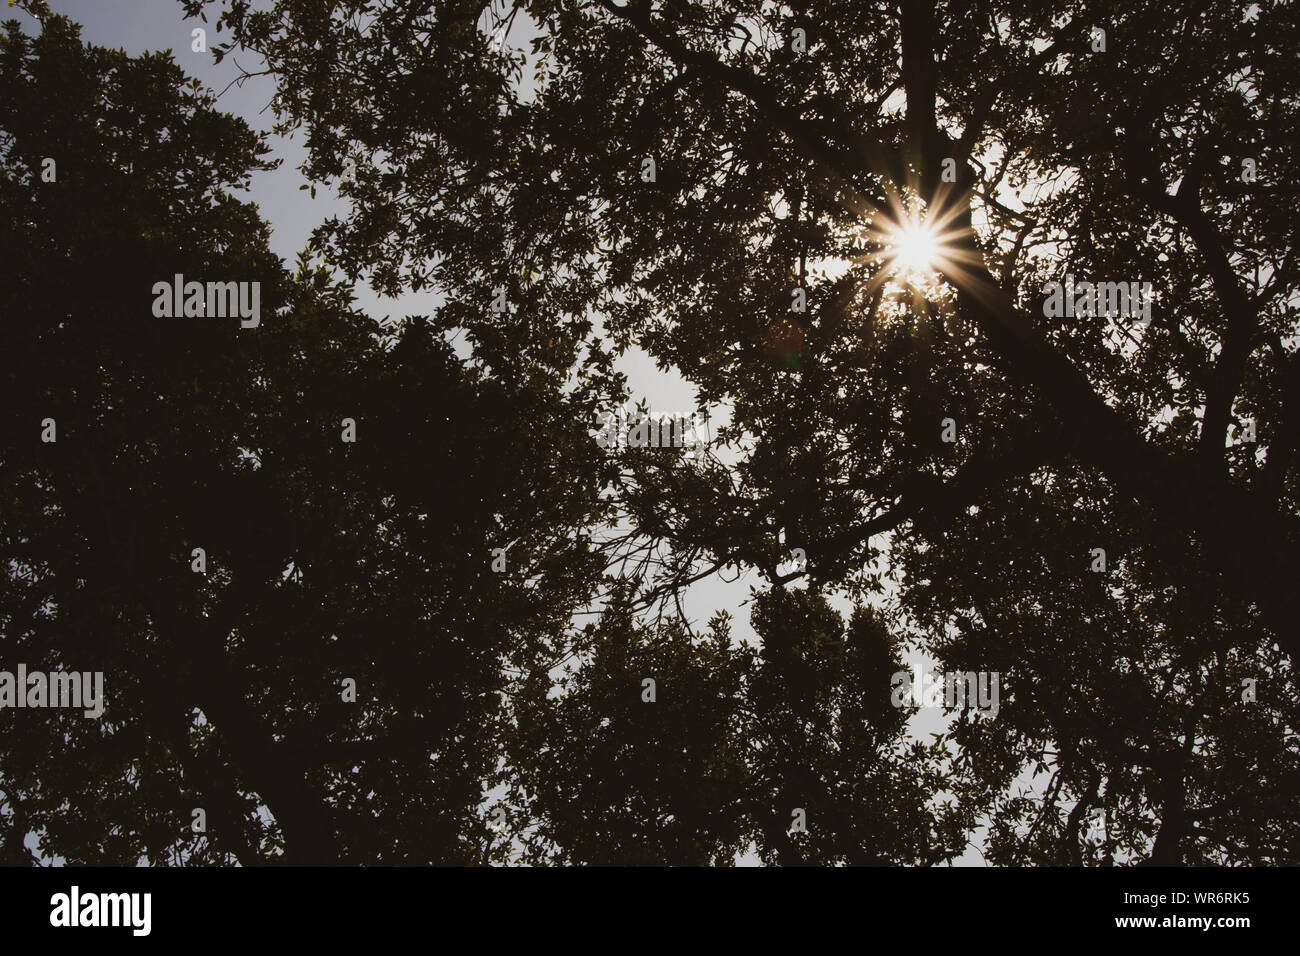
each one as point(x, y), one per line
point(913, 252)
point(910, 251)
point(915, 247)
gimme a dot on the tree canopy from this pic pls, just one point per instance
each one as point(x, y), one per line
point(1097, 505)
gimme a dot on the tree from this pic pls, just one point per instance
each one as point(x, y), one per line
point(299, 634)
point(725, 747)
point(1032, 148)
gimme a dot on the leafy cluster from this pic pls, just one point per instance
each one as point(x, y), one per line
point(494, 147)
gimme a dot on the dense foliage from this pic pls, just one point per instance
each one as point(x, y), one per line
point(668, 175)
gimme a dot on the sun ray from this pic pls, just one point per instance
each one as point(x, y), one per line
point(915, 248)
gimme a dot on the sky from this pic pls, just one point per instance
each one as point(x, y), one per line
point(137, 26)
